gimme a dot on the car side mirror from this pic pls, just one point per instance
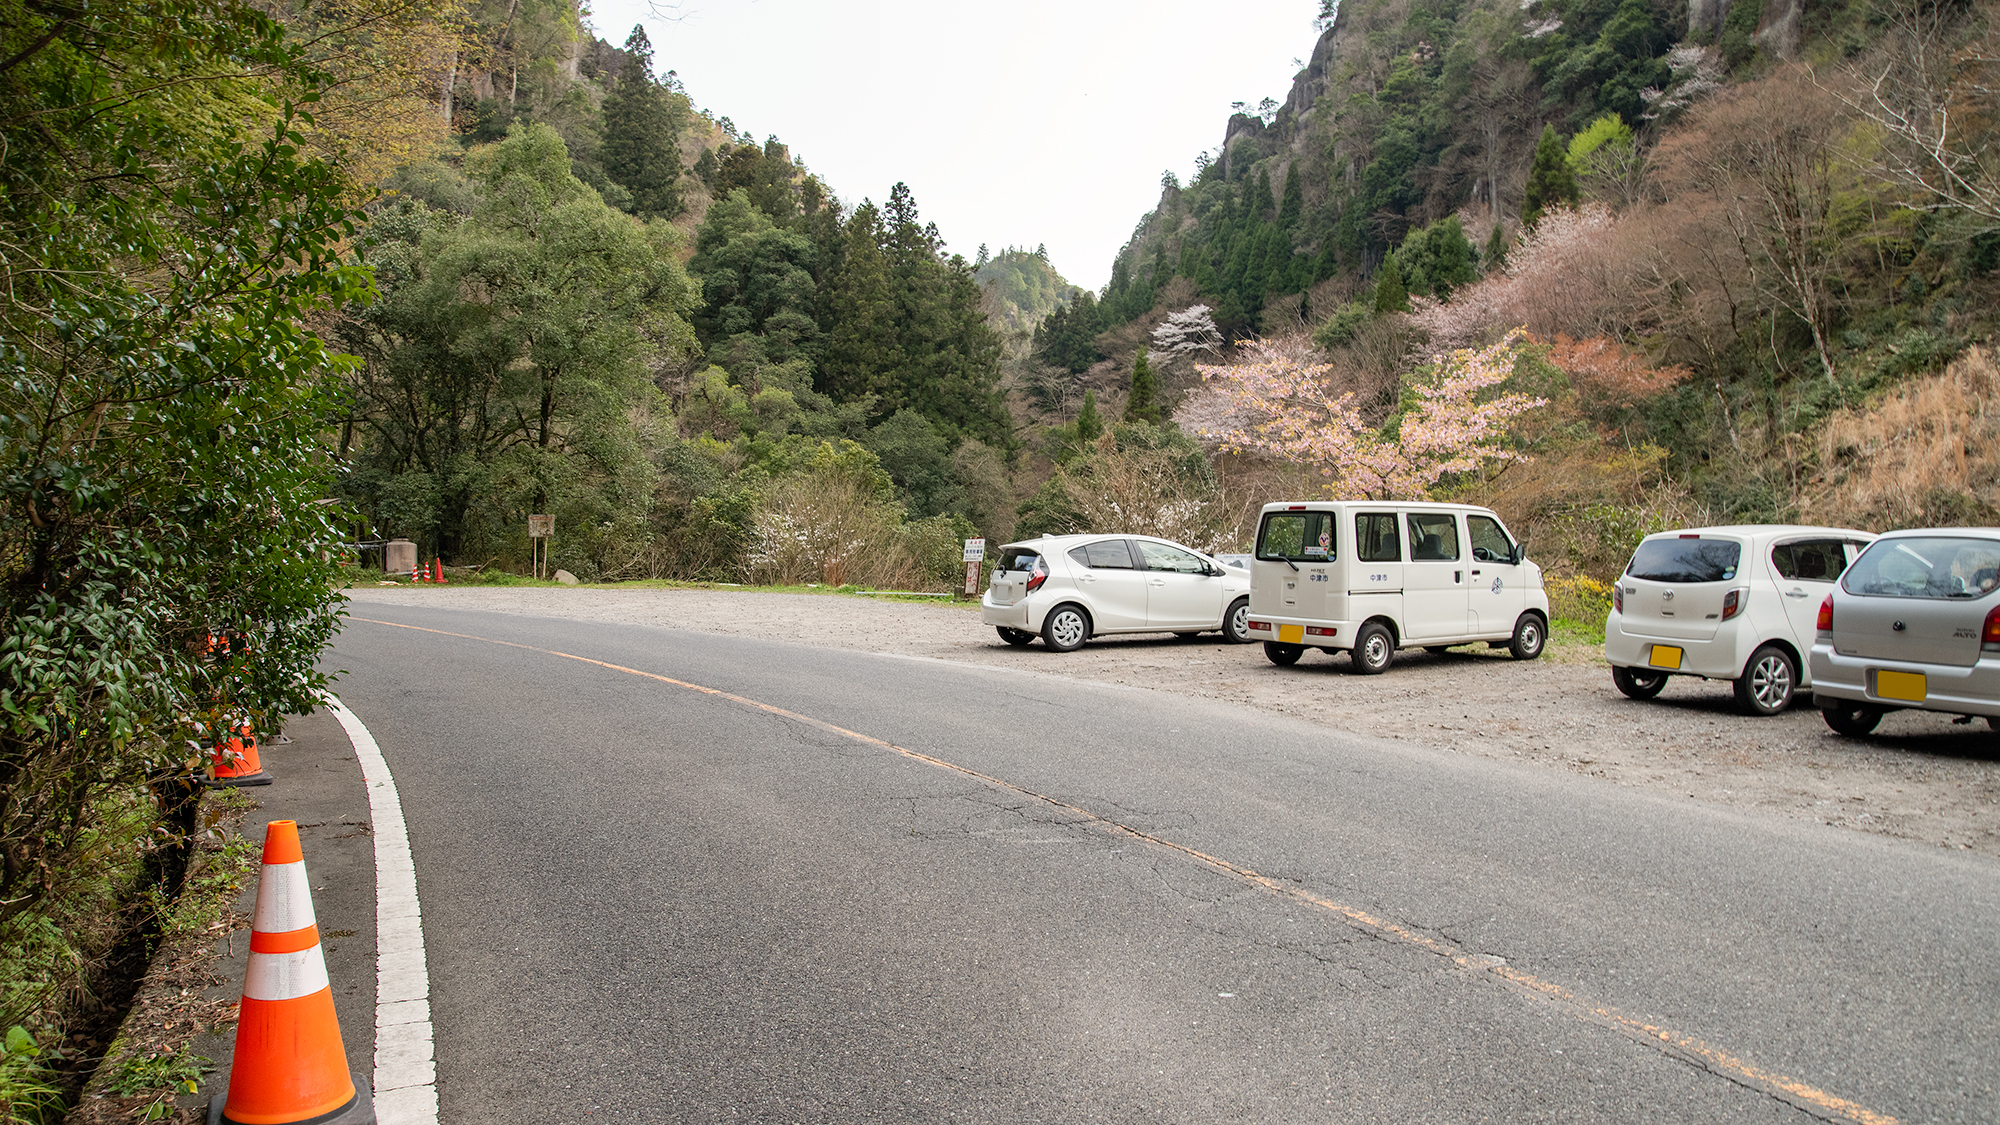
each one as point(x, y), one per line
point(1520, 554)
point(1213, 571)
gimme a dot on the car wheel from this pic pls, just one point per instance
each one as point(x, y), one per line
point(1283, 655)
point(1851, 719)
point(1066, 628)
point(1768, 682)
point(1374, 649)
point(1529, 636)
point(1236, 623)
point(1639, 685)
point(1015, 637)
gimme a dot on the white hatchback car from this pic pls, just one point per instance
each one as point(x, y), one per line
point(1069, 588)
point(1725, 603)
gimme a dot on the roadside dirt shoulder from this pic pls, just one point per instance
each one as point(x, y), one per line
point(1920, 778)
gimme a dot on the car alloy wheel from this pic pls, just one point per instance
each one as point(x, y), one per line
point(1066, 628)
point(1236, 623)
point(1768, 682)
point(1374, 649)
point(1637, 684)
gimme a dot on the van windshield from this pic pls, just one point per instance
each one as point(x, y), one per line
point(1686, 560)
point(1297, 537)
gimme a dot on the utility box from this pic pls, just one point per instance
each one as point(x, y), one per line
point(399, 557)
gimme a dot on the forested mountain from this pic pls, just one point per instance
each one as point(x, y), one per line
point(1736, 228)
point(602, 303)
point(1021, 288)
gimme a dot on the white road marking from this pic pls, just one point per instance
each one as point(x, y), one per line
point(405, 1073)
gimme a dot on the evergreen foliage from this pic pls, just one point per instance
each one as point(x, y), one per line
point(168, 236)
point(1436, 259)
point(641, 134)
point(1550, 181)
point(1390, 295)
point(1143, 405)
point(1089, 423)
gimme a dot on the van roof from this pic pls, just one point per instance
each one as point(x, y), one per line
point(1332, 505)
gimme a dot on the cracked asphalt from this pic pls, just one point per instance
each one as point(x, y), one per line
point(743, 879)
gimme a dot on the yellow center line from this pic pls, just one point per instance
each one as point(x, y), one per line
point(1685, 1048)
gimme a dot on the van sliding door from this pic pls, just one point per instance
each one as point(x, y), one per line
point(1435, 605)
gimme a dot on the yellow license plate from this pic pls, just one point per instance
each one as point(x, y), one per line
point(1291, 634)
point(1907, 686)
point(1665, 656)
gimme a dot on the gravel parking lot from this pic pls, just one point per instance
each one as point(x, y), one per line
point(1920, 778)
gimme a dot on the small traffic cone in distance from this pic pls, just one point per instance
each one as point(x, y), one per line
point(437, 571)
point(289, 1066)
point(235, 763)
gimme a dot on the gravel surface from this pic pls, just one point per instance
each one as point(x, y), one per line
point(1920, 777)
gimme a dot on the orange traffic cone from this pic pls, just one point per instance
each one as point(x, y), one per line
point(437, 571)
point(236, 763)
point(289, 1064)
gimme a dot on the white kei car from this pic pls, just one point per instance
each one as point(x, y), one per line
point(1069, 588)
point(1725, 603)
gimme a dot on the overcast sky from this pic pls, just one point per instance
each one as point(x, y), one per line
point(1023, 123)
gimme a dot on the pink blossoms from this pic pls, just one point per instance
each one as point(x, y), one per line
point(1281, 405)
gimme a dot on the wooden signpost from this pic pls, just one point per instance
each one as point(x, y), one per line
point(975, 553)
point(541, 529)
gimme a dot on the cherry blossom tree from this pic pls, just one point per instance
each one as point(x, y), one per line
point(1279, 403)
point(1190, 331)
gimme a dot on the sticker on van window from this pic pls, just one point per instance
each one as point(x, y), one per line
point(1319, 550)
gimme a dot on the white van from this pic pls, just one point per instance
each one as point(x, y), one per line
point(1373, 576)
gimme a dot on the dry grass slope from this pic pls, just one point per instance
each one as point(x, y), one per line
point(1926, 454)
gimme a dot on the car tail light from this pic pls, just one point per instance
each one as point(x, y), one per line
point(1732, 604)
point(1989, 637)
point(1321, 631)
point(1618, 597)
point(1261, 626)
point(1825, 622)
point(1040, 576)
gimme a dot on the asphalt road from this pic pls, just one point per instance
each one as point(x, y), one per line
point(863, 888)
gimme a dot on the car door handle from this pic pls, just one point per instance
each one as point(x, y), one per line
point(1157, 582)
point(1475, 574)
point(1797, 594)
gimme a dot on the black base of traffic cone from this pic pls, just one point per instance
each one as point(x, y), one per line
point(261, 777)
point(359, 1111)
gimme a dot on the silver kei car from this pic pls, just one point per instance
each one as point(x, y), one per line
point(1913, 623)
point(1069, 588)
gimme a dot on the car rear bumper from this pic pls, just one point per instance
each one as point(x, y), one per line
point(1719, 658)
point(1013, 616)
point(1953, 689)
point(1295, 631)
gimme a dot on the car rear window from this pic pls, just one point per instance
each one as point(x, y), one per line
point(1926, 567)
point(1017, 558)
point(1686, 560)
point(1297, 537)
